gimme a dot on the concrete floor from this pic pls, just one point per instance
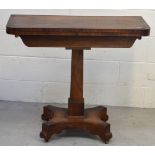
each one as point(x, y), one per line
point(20, 124)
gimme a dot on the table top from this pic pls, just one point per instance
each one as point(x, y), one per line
point(77, 25)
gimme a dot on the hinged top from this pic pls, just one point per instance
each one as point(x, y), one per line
point(77, 25)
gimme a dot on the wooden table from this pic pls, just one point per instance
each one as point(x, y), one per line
point(77, 33)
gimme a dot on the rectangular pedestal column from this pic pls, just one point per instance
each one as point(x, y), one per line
point(76, 100)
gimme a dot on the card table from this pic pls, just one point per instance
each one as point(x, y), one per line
point(77, 33)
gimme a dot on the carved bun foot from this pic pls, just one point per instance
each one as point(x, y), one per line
point(45, 136)
point(93, 121)
point(105, 138)
point(49, 111)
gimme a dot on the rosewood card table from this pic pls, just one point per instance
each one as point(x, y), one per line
point(77, 33)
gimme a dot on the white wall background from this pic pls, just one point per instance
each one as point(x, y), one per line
point(119, 77)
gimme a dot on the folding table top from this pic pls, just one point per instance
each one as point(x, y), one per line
point(77, 25)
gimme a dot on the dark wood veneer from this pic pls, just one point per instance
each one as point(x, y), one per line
point(77, 33)
point(77, 25)
point(75, 41)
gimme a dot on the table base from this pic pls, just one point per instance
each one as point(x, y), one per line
point(93, 121)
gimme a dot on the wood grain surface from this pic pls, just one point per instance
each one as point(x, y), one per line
point(77, 25)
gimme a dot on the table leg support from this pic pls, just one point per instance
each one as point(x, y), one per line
point(76, 100)
point(92, 120)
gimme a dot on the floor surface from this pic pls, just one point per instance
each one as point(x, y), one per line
point(20, 124)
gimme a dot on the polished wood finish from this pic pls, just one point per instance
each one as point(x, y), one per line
point(77, 33)
point(77, 25)
point(76, 41)
point(76, 100)
point(93, 121)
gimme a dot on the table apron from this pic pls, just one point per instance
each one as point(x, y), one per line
point(77, 41)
